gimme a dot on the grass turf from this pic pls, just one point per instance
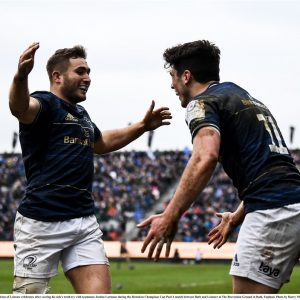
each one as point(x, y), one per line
point(155, 278)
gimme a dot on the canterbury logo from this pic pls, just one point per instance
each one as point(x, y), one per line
point(69, 117)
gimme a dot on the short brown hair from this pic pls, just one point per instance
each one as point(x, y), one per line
point(201, 57)
point(60, 59)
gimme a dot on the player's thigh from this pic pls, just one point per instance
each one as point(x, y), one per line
point(37, 252)
point(242, 285)
point(87, 249)
point(268, 246)
point(85, 262)
point(91, 279)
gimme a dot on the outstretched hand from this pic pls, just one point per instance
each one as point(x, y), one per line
point(156, 118)
point(26, 61)
point(161, 231)
point(221, 232)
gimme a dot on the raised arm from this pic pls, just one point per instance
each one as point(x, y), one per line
point(194, 179)
point(112, 140)
point(22, 106)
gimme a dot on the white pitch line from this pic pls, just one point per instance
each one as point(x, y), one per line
point(193, 284)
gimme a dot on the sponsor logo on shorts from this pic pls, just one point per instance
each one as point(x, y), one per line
point(265, 269)
point(235, 262)
point(29, 262)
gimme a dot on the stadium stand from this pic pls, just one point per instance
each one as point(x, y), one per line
point(127, 185)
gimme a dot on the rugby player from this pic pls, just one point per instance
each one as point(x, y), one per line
point(228, 125)
point(55, 220)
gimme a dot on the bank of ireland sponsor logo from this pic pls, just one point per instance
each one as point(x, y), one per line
point(29, 262)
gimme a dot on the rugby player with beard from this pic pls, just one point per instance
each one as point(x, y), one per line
point(55, 219)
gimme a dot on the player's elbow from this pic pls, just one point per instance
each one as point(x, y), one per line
point(102, 145)
point(18, 113)
point(13, 111)
point(210, 159)
point(207, 160)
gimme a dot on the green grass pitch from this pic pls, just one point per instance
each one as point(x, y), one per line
point(155, 278)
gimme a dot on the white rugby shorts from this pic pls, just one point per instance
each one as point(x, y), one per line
point(268, 245)
point(39, 246)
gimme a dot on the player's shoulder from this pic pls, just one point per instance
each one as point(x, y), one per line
point(42, 95)
point(228, 94)
point(80, 108)
point(82, 111)
point(47, 99)
point(226, 88)
point(222, 93)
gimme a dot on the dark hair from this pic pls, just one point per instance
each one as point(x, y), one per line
point(60, 59)
point(201, 58)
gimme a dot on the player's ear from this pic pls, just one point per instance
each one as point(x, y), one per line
point(56, 77)
point(187, 76)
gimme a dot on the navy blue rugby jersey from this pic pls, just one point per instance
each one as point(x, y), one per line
point(252, 151)
point(58, 149)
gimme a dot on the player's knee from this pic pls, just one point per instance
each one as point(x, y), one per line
point(24, 285)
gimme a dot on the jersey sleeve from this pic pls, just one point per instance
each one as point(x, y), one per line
point(45, 109)
point(202, 112)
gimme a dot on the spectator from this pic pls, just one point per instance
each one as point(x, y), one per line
point(126, 185)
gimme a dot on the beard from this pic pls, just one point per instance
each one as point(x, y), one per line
point(184, 98)
point(184, 101)
point(71, 91)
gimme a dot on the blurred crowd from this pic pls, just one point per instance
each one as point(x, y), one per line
point(218, 196)
point(126, 186)
point(12, 187)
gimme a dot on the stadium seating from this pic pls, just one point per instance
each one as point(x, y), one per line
point(126, 186)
